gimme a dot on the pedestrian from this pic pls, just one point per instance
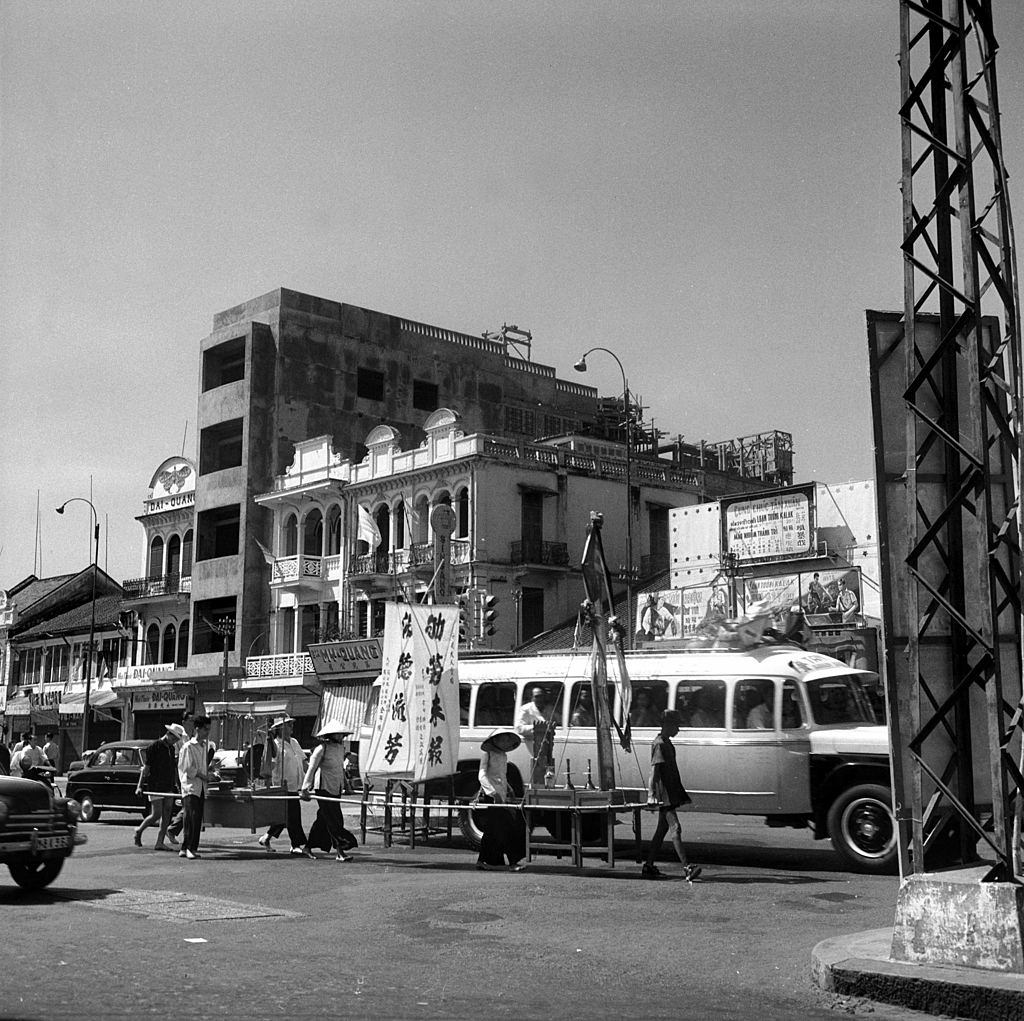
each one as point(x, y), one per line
point(535, 724)
point(159, 777)
point(28, 757)
point(192, 773)
point(328, 759)
point(178, 822)
point(666, 793)
point(504, 830)
point(52, 751)
point(25, 735)
point(283, 766)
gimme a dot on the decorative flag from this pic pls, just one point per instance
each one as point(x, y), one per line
point(411, 514)
point(416, 729)
point(267, 555)
point(368, 530)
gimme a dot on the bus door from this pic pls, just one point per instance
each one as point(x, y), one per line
point(794, 752)
point(703, 747)
point(752, 777)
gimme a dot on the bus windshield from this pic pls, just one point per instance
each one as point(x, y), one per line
point(839, 699)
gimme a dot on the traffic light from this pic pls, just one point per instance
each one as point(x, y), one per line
point(465, 620)
point(488, 614)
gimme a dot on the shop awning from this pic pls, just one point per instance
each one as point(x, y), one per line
point(345, 705)
point(103, 697)
point(72, 705)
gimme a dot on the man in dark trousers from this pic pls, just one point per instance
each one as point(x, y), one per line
point(160, 775)
point(666, 793)
point(193, 765)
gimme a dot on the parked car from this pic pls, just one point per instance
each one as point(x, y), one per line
point(38, 831)
point(108, 780)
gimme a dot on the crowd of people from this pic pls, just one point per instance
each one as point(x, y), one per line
point(30, 759)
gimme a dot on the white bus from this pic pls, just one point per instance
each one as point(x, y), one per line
point(773, 731)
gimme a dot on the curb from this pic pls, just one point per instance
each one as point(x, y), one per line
point(859, 965)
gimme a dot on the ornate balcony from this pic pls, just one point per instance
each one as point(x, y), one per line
point(292, 664)
point(420, 554)
point(294, 568)
point(157, 585)
point(534, 551)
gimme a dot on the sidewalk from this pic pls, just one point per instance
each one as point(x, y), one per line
point(859, 965)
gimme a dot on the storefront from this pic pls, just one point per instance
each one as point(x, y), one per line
point(347, 671)
point(289, 679)
point(106, 718)
point(153, 699)
point(18, 717)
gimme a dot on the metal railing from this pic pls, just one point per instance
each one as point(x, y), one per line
point(534, 551)
point(157, 585)
point(420, 554)
point(290, 664)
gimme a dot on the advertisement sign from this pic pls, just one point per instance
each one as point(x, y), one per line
point(332, 659)
point(770, 595)
point(141, 675)
point(770, 526)
point(159, 699)
point(678, 613)
point(831, 596)
point(416, 729)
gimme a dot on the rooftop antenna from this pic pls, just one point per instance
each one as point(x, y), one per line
point(183, 438)
point(520, 341)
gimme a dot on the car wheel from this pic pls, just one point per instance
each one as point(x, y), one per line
point(90, 813)
point(862, 829)
point(38, 874)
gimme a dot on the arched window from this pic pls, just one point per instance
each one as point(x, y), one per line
point(170, 644)
point(186, 555)
point(173, 555)
point(153, 644)
point(182, 657)
point(462, 513)
point(401, 537)
point(156, 557)
point(419, 532)
point(290, 536)
point(313, 534)
point(334, 531)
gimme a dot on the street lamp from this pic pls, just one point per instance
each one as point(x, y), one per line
point(581, 366)
point(92, 616)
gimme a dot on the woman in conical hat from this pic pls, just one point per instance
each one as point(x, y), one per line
point(503, 828)
point(328, 758)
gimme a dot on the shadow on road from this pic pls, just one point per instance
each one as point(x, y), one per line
point(16, 895)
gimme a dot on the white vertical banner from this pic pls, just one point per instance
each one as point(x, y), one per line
point(416, 730)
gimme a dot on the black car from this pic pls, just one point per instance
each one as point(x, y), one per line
point(38, 830)
point(108, 780)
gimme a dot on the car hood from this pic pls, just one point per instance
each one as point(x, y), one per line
point(25, 794)
point(869, 739)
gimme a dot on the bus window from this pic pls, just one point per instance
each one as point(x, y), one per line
point(552, 698)
point(753, 705)
point(465, 691)
point(839, 700)
point(495, 704)
point(581, 704)
point(649, 699)
point(701, 703)
point(792, 714)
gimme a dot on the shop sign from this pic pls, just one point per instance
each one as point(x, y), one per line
point(141, 675)
point(361, 656)
point(45, 699)
point(158, 700)
point(771, 526)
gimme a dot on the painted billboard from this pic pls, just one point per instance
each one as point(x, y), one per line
point(778, 525)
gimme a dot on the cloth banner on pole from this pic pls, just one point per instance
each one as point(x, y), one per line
point(368, 531)
point(416, 730)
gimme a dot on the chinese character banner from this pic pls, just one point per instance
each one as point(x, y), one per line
point(416, 730)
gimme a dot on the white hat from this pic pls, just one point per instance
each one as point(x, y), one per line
point(334, 727)
point(281, 720)
point(177, 730)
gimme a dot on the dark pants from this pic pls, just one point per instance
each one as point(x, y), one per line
point(328, 830)
point(193, 807)
point(504, 834)
point(296, 834)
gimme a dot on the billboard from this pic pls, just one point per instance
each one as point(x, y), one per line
point(777, 525)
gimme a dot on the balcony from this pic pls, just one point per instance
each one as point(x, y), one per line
point(534, 551)
point(296, 568)
point(420, 554)
point(291, 664)
point(157, 585)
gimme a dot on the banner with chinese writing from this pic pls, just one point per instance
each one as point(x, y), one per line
point(771, 526)
point(416, 730)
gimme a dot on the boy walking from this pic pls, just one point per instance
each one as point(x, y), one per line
point(666, 791)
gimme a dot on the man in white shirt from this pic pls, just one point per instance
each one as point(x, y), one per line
point(28, 757)
point(535, 724)
point(192, 772)
point(284, 765)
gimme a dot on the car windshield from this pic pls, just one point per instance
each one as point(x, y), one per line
point(839, 699)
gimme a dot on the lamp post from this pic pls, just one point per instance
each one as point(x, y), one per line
point(581, 366)
point(92, 615)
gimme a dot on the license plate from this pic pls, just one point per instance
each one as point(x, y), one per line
point(51, 843)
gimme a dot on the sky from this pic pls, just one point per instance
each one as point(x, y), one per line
point(711, 190)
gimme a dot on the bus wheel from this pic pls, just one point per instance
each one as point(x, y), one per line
point(470, 827)
point(862, 830)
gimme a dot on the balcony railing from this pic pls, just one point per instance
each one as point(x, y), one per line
point(157, 585)
point(293, 568)
point(533, 551)
point(420, 554)
point(291, 664)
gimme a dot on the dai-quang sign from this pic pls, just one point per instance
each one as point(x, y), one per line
point(334, 659)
